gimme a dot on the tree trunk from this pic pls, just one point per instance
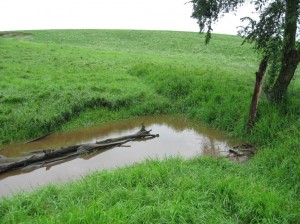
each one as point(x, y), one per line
point(257, 91)
point(286, 75)
point(290, 56)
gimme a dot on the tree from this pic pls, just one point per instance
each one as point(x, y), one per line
point(274, 36)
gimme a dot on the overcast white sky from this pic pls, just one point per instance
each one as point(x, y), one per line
point(106, 14)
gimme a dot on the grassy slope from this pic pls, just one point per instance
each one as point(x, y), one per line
point(56, 75)
point(63, 79)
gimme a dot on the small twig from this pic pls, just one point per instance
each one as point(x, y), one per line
point(36, 139)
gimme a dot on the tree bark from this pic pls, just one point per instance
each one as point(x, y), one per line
point(290, 55)
point(256, 93)
point(41, 158)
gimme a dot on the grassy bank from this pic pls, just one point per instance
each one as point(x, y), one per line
point(51, 77)
point(60, 80)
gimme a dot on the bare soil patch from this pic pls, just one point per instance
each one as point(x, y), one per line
point(15, 34)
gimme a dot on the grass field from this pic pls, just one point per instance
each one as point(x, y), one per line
point(59, 80)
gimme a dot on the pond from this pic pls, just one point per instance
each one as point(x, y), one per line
point(177, 137)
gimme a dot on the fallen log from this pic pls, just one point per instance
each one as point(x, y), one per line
point(39, 158)
point(242, 152)
point(143, 133)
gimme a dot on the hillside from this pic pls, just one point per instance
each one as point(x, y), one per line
point(62, 79)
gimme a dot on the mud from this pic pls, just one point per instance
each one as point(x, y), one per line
point(178, 137)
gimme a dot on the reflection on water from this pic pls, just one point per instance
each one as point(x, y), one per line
point(178, 137)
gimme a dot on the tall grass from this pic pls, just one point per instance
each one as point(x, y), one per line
point(201, 190)
point(60, 80)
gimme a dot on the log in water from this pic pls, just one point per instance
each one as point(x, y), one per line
point(178, 137)
point(45, 157)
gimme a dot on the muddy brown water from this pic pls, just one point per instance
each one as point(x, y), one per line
point(178, 137)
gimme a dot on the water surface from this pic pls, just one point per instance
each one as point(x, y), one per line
point(177, 137)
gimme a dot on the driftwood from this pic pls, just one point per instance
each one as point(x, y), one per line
point(244, 149)
point(39, 158)
point(243, 146)
point(36, 139)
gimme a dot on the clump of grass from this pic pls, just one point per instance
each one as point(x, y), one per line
point(199, 94)
point(173, 191)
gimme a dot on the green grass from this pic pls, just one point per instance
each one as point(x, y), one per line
point(60, 80)
point(52, 77)
point(201, 190)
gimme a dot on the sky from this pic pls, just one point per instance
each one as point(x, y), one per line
point(107, 14)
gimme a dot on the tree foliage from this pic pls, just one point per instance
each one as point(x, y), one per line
point(275, 35)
